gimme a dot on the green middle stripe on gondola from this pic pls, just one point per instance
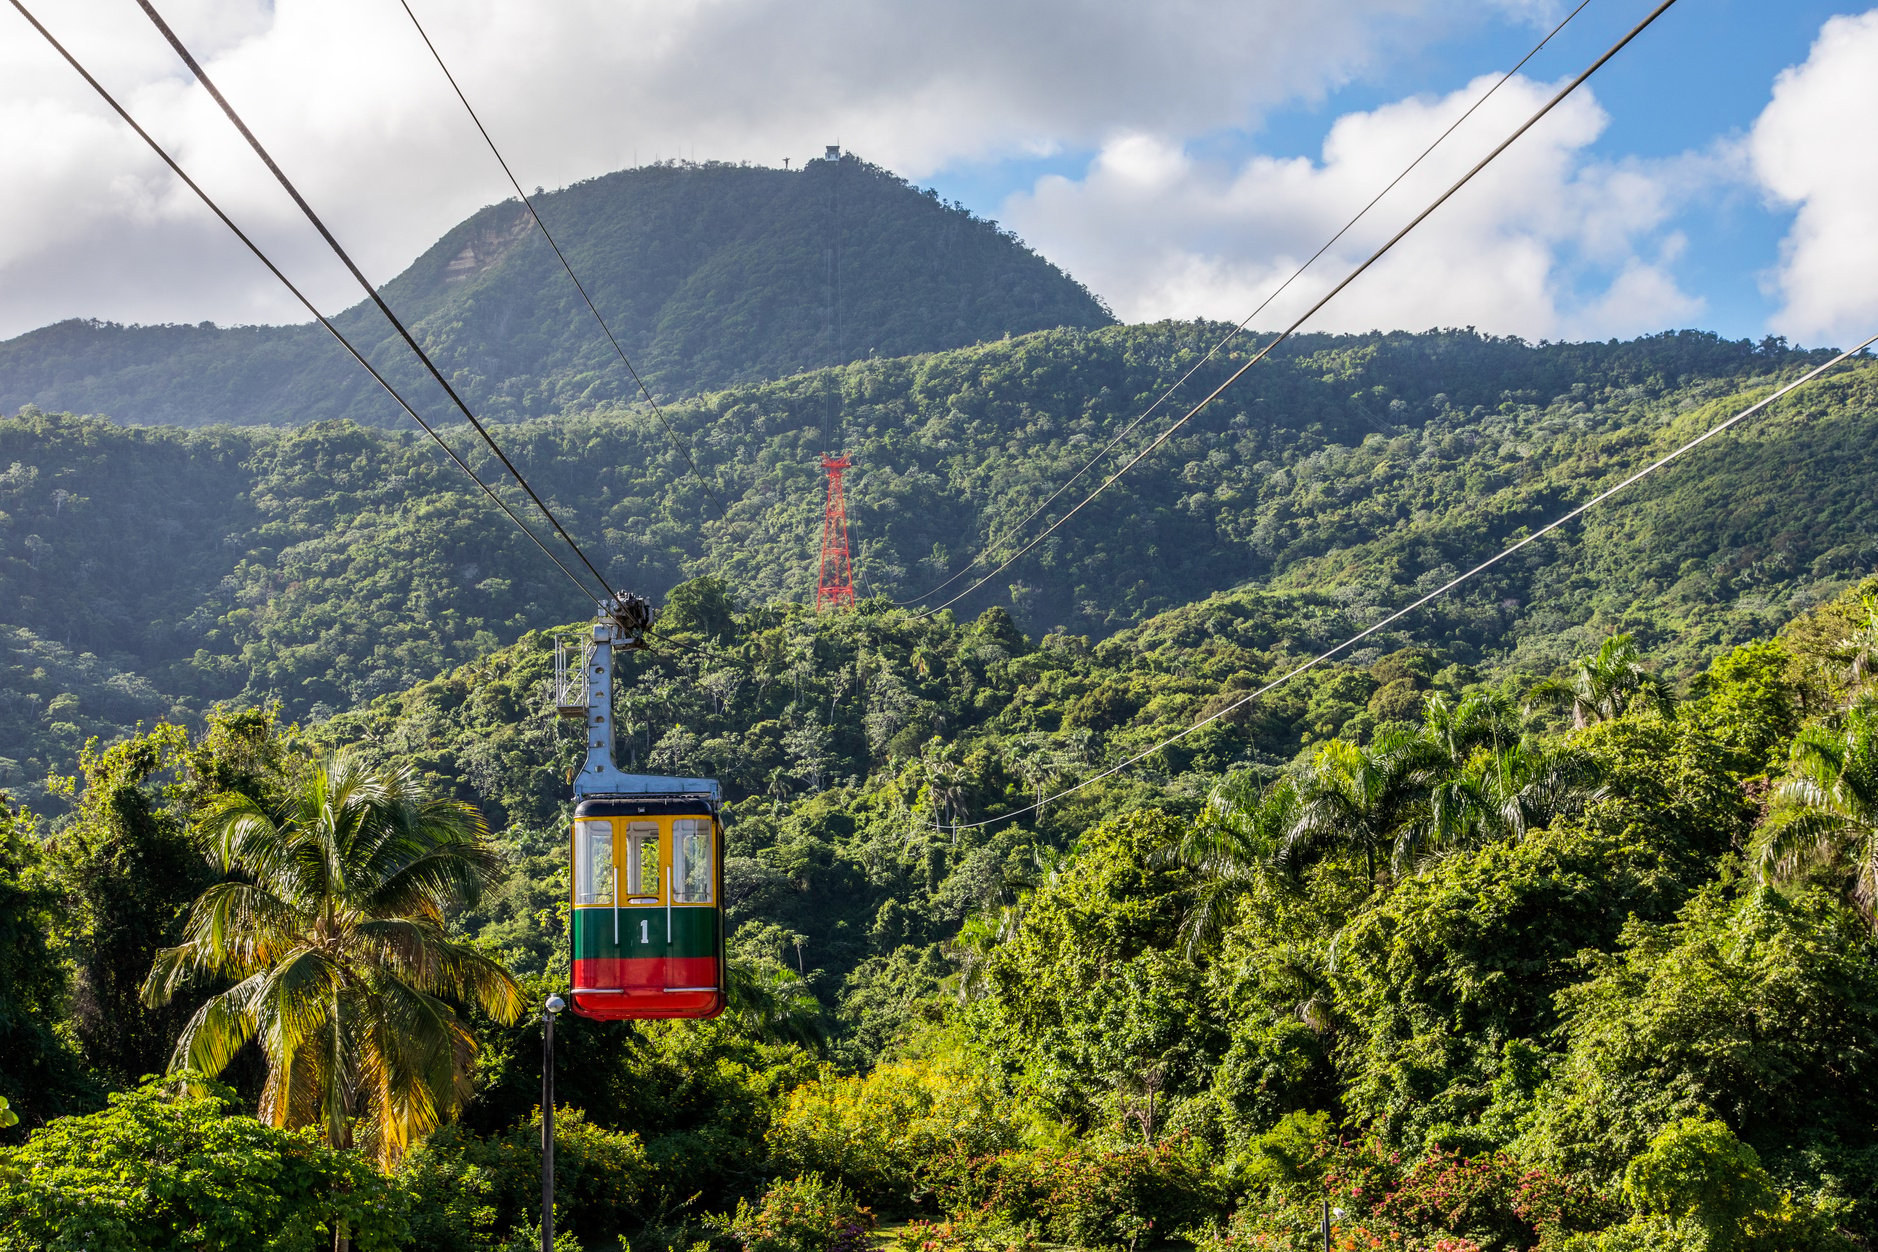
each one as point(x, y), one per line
point(642, 932)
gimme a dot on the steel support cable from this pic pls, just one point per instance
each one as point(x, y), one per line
point(397, 324)
point(1353, 275)
point(677, 442)
point(1437, 593)
point(273, 269)
point(1236, 331)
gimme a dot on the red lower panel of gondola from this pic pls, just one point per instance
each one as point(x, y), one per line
point(619, 988)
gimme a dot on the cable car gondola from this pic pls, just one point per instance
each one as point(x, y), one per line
point(647, 927)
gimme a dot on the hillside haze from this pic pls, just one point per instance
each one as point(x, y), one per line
point(708, 274)
point(149, 572)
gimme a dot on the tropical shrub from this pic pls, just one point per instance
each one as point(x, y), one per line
point(880, 1134)
point(1091, 1195)
point(1299, 1231)
point(1697, 1188)
point(1755, 1008)
point(161, 1173)
point(804, 1214)
point(1700, 1181)
point(1489, 1201)
point(971, 1232)
point(1123, 1197)
point(528, 1239)
point(472, 1193)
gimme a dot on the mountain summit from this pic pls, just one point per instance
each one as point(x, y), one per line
point(709, 275)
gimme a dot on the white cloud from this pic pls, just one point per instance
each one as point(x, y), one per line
point(1809, 149)
point(344, 94)
point(1546, 242)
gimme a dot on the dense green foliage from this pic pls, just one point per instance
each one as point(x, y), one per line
point(39, 1073)
point(1487, 979)
point(157, 1174)
point(808, 1214)
point(145, 574)
point(1542, 921)
point(707, 274)
point(850, 747)
point(468, 1192)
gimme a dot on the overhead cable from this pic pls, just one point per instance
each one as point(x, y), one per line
point(677, 441)
point(1437, 593)
point(345, 343)
point(1236, 331)
point(1353, 275)
point(195, 67)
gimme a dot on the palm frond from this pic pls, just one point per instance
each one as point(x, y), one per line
point(238, 927)
point(246, 839)
point(1210, 913)
point(296, 1001)
point(218, 1029)
point(414, 1059)
point(434, 877)
point(422, 958)
point(1803, 840)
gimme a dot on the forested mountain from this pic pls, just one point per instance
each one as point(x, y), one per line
point(149, 572)
point(1541, 921)
point(708, 275)
point(1544, 921)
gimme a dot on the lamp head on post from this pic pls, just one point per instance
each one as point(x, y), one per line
point(554, 1005)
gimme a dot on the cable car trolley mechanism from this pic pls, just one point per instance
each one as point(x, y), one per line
point(647, 925)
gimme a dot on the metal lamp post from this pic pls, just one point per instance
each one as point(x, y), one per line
point(554, 1005)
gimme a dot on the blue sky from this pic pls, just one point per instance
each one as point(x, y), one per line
point(1701, 76)
point(1703, 71)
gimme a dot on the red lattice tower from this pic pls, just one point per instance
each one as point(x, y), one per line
point(837, 582)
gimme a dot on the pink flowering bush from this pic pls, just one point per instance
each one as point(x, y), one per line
point(1438, 1201)
point(980, 1231)
point(1491, 1200)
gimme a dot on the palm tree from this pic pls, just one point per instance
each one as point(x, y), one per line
point(1502, 795)
point(948, 790)
point(1234, 840)
point(1480, 719)
point(1362, 798)
point(981, 935)
point(1042, 760)
point(1860, 650)
point(773, 1003)
point(1826, 811)
point(1606, 685)
point(332, 928)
